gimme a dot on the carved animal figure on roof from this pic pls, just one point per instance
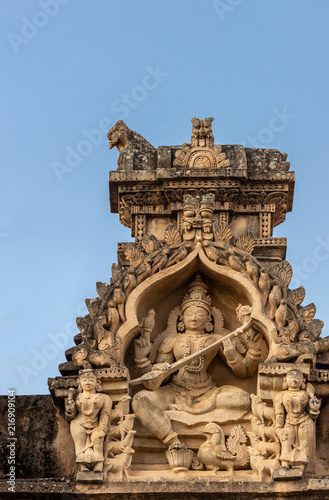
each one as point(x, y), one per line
point(136, 153)
point(202, 135)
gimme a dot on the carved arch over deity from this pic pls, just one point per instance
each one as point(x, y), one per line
point(167, 287)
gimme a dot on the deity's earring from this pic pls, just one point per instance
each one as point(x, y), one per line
point(181, 324)
point(285, 385)
point(304, 385)
point(209, 328)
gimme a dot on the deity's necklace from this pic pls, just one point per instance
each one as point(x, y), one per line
point(87, 404)
point(198, 364)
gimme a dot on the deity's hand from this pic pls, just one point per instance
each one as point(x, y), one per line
point(142, 347)
point(98, 433)
point(314, 404)
point(282, 434)
point(161, 367)
point(69, 402)
point(254, 340)
point(229, 349)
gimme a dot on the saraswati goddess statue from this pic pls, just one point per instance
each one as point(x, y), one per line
point(192, 389)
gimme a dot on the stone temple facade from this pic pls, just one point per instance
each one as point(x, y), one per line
point(197, 372)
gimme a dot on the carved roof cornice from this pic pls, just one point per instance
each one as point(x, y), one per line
point(244, 177)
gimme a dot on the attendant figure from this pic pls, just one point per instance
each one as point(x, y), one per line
point(89, 416)
point(296, 410)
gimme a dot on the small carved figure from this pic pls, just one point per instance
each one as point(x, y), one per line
point(264, 283)
point(214, 253)
point(179, 254)
point(251, 267)
point(281, 315)
point(274, 298)
point(198, 218)
point(296, 409)
point(86, 357)
point(261, 410)
point(119, 298)
point(264, 467)
point(266, 448)
point(265, 432)
point(89, 416)
point(129, 281)
point(235, 262)
point(119, 461)
point(216, 454)
point(202, 135)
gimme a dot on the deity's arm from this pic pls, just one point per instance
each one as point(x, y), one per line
point(313, 402)
point(251, 361)
point(233, 359)
point(70, 406)
point(242, 366)
point(105, 413)
point(279, 410)
point(143, 344)
point(165, 352)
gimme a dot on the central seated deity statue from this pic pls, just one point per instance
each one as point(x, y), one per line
point(192, 391)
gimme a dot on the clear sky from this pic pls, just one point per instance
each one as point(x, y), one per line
point(70, 69)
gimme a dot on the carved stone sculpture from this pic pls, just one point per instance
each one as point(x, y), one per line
point(89, 416)
point(217, 454)
point(296, 409)
point(206, 353)
point(192, 389)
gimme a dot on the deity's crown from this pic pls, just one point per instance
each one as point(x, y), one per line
point(197, 295)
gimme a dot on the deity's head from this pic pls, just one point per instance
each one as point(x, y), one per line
point(88, 381)
point(196, 308)
point(295, 380)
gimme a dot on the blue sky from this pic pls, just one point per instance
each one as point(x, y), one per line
point(71, 69)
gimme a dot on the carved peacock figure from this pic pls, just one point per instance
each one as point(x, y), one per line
point(218, 455)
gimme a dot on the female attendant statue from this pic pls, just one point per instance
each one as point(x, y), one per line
point(296, 409)
point(89, 416)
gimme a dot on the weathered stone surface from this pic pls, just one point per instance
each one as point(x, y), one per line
point(44, 445)
point(169, 488)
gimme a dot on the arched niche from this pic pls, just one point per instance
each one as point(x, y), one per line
point(165, 291)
